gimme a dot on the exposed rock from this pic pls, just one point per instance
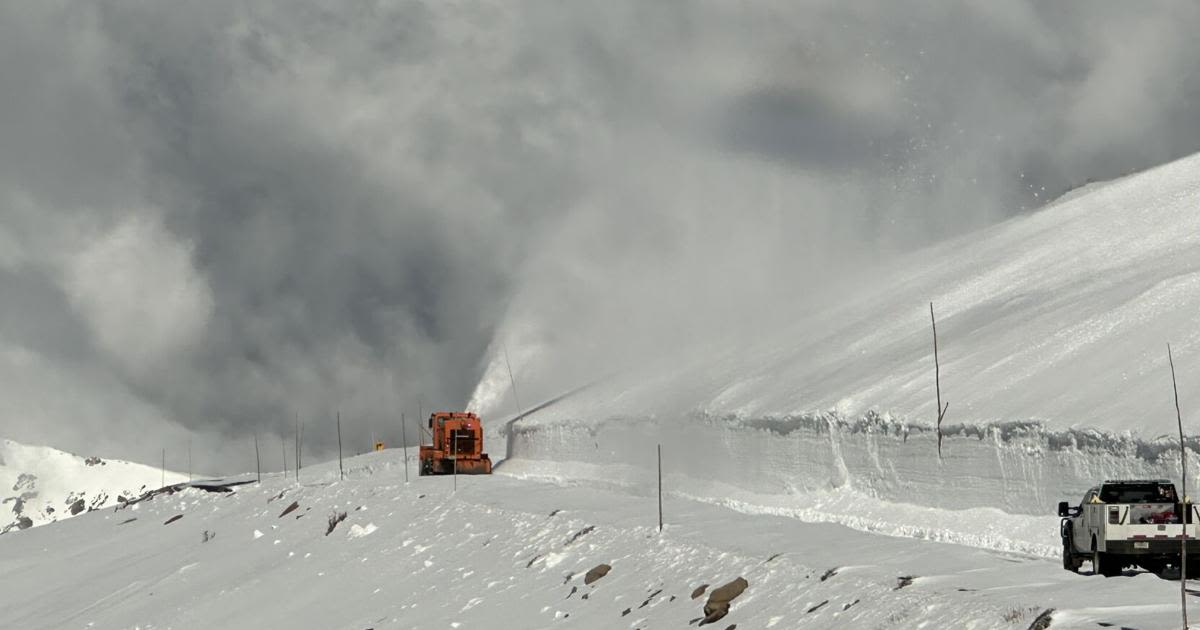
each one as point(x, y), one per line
point(25, 481)
point(595, 574)
point(77, 507)
point(699, 591)
point(720, 598)
point(289, 509)
point(576, 535)
point(173, 519)
point(1043, 620)
point(334, 519)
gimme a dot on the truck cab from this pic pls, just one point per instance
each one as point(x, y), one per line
point(1126, 522)
point(457, 447)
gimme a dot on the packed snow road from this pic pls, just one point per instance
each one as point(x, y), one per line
point(506, 552)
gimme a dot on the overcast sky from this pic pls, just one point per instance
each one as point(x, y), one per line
point(215, 216)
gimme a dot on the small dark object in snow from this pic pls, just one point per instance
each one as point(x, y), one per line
point(555, 512)
point(532, 560)
point(828, 574)
point(77, 507)
point(1043, 620)
point(772, 558)
point(567, 577)
point(173, 519)
point(420, 496)
point(847, 606)
point(585, 595)
point(652, 596)
point(626, 611)
point(289, 509)
point(24, 522)
point(596, 573)
point(817, 607)
point(699, 591)
point(573, 590)
point(207, 536)
point(671, 600)
point(334, 519)
point(902, 581)
point(128, 520)
point(576, 535)
point(278, 496)
point(298, 516)
point(732, 626)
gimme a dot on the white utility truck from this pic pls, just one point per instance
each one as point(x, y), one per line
point(1128, 522)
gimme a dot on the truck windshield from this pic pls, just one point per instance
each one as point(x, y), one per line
point(1138, 493)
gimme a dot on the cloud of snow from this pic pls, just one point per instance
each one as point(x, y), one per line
point(358, 207)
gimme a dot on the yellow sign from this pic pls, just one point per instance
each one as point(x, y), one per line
point(379, 446)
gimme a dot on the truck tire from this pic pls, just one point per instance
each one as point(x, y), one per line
point(1106, 564)
point(1071, 561)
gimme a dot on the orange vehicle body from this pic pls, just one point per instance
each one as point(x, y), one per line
point(457, 446)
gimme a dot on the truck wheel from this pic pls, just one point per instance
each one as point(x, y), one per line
point(1070, 561)
point(1105, 564)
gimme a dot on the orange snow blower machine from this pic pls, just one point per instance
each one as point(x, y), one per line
point(457, 446)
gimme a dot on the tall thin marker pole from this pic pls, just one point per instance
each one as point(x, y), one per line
point(937, 379)
point(257, 458)
point(660, 519)
point(341, 471)
point(299, 450)
point(513, 381)
point(1184, 502)
point(283, 453)
point(404, 437)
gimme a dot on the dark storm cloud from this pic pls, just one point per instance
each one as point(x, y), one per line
point(214, 216)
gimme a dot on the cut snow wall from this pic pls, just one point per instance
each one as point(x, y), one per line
point(1018, 467)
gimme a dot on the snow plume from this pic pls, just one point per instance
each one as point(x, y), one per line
point(214, 216)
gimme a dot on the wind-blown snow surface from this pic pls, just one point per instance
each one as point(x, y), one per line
point(39, 484)
point(507, 552)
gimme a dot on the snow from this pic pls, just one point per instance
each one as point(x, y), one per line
point(41, 483)
point(507, 551)
point(804, 463)
point(1060, 317)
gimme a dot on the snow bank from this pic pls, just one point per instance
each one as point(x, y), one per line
point(996, 486)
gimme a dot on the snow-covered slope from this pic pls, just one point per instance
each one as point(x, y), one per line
point(39, 484)
point(1060, 317)
point(1052, 329)
point(508, 552)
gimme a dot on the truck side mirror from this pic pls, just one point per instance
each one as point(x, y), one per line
point(1064, 509)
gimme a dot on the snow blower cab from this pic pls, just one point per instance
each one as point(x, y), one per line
point(457, 446)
